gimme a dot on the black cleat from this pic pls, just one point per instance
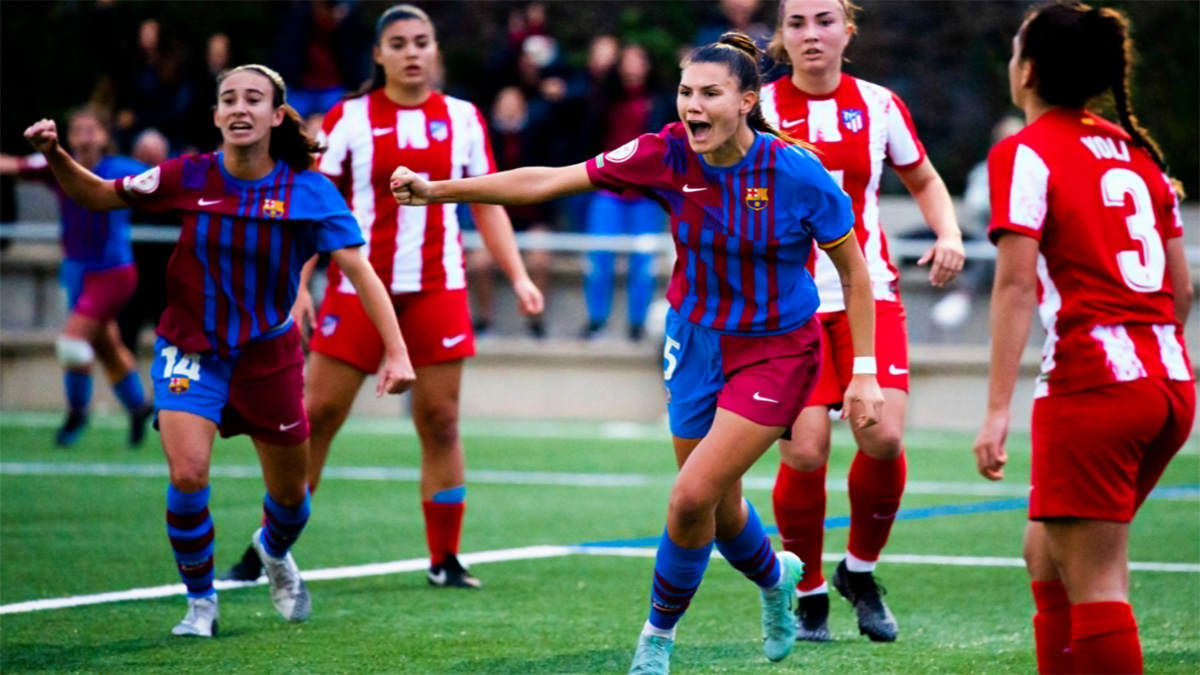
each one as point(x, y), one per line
point(72, 428)
point(812, 618)
point(452, 574)
point(875, 620)
point(137, 424)
point(249, 568)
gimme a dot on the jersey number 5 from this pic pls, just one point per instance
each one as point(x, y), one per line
point(1143, 271)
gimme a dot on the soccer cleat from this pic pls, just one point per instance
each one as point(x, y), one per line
point(288, 592)
point(72, 428)
point(451, 574)
point(249, 568)
point(812, 618)
point(200, 620)
point(778, 607)
point(875, 620)
point(137, 424)
point(653, 655)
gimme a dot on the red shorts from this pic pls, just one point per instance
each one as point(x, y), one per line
point(436, 327)
point(784, 367)
point(1098, 453)
point(99, 295)
point(891, 353)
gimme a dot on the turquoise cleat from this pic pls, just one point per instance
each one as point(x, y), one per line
point(778, 609)
point(653, 656)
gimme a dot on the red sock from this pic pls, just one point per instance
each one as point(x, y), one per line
point(799, 500)
point(1104, 638)
point(1052, 627)
point(443, 526)
point(875, 490)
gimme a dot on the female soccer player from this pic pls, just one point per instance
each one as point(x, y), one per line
point(857, 127)
point(418, 254)
point(99, 276)
point(1087, 226)
point(742, 348)
point(229, 357)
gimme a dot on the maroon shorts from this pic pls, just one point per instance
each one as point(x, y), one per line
point(99, 295)
point(436, 327)
point(1098, 453)
point(891, 353)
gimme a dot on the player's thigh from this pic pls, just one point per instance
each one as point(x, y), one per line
point(330, 387)
point(345, 332)
point(808, 448)
point(187, 441)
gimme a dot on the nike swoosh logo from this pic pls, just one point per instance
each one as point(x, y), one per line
point(382, 132)
point(451, 341)
point(764, 399)
point(897, 371)
point(792, 123)
point(889, 516)
point(293, 425)
point(688, 188)
point(438, 577)
point(209, 202)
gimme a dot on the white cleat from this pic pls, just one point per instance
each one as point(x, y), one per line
point(288, 592)
point(201, 618)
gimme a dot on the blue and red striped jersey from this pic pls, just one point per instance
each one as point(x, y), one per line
point(235, 271)
point(743, 233)
point(97, 240)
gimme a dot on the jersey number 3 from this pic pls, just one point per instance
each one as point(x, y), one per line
point(1142, 271)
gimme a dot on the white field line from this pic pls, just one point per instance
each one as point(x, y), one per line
point(507, 555)
point(405, 474)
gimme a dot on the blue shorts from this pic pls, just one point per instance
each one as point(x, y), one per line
point(765, 379)
point(259, 390)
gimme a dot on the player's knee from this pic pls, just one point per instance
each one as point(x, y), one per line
point(323, 412)
point(886, 443)
point(437, 425)
point(74, 352)
point(690, 504)
point(808, 454)
point(189, 477)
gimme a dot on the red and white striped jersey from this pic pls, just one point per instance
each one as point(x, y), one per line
point(856, 129)
point(411, 248)
point(1101, 211)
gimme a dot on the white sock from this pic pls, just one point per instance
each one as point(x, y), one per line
point(665, 633)
point(823, 589)
point(858, 564)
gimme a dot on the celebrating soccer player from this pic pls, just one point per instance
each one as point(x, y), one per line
point(857, 127)
point(743, 348)
point(228, 355)
point(1088, 229)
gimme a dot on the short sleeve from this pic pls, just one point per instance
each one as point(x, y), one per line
point(334, 137)
point(1018, 182)
point(632, 168)
point(479, 151)
point(336, 226)
point(156, 190)
point(830, 212)
point(904, 148)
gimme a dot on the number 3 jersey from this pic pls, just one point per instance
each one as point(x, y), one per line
point(1101, 211)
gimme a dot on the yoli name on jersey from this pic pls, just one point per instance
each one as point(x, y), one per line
point(1107, 148)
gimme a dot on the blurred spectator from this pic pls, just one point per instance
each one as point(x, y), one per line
point(631, 110)
point(321, 50)
point(586, 101)
point(515, 143)
point(152, 90)
point(741, 15)
point(218, 57)
point(151, 148)
point(151, 257)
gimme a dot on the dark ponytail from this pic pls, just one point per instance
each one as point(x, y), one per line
point(393, 14)
point(289, 141)
point(737, 52)
point(1080, 52)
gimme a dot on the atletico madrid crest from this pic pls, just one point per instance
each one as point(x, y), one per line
point(853, 119)
point(274, 208)
point(179, 385)
point(757, 198)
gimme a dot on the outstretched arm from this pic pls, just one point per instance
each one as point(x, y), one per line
point(529, 185)
point(946, 254)
point(82, 186)
point(863, 404)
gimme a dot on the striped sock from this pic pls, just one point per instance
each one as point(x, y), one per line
point(283, 524)
point(190, 529)
point(750, 552)
point(677, 575)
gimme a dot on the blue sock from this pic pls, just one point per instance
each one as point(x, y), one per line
point(78, 384)
point(750, 552)
point(129, 391)
point(190, 529)
point(454, 495)
point(677, 575)
point(283, 524)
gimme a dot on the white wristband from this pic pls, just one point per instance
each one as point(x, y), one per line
point(864, 365)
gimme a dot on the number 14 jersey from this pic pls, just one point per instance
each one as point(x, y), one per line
point(1101, 211)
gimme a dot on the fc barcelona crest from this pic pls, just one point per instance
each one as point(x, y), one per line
point(757, 198)
point(179, 385)
point(274, 208)
point(853, 120)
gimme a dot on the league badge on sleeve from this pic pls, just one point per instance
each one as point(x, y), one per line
point(853, 120)
point(624, 152)
point(757, 198)
point(145, 182)
point(274, 208)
